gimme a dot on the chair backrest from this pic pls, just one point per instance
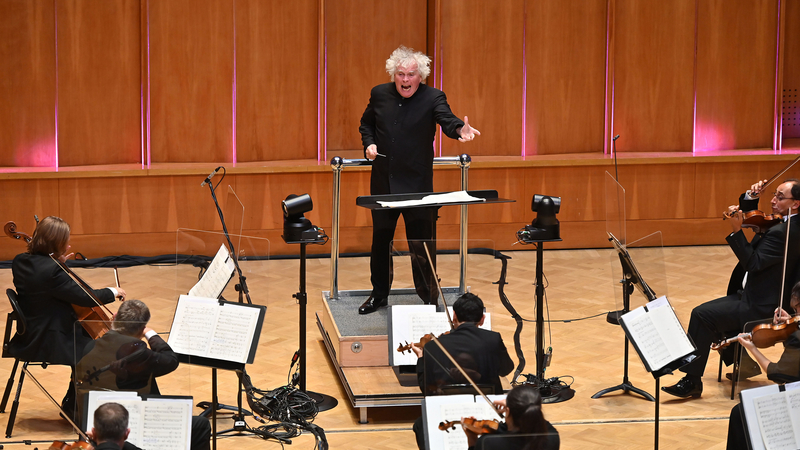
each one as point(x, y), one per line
point(16, 311)
point(14, 316)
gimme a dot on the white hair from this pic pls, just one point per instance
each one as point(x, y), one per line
point(405, 57)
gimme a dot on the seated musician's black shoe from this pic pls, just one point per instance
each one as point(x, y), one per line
point(372, 304)
point(685, 388)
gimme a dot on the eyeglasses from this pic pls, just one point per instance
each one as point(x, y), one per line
point(779, 195)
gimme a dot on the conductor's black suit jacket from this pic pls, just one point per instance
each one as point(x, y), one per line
point(403, 130)
point(46, 294)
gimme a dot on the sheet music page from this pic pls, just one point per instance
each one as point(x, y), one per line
point(166, 424)
point(670, 328)
point(793, 399)
point(192, 325)
point(216, 276)
point(774, 422)
point(434, 199)
point(457, 439)
point(749, 411)
point(97, 398)
point(233, 333)
point(647, 338)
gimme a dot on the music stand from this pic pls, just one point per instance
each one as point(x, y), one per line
point(630, 278)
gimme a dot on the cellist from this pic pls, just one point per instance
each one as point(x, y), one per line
point(754, 290)
point(46, 293)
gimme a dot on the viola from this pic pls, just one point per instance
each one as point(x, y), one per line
point(766, 335)
point(130, 357)
point(472, 424)
point(61, 445)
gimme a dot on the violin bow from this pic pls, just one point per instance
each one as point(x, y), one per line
point(438, 285)
point(82, 284)
point(775, 177)
point(468, 378)
point(50, 397)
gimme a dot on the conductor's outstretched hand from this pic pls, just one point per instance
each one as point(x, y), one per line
point(467, 132)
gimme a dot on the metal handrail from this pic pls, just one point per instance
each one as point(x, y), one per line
point(338, 164)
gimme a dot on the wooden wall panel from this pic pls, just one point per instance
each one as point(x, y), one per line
point(482, 73)
point(360, 36)
point(191, 80)
point(736, 58)
point(26, 198)
point(27, 89)
point(791, 71)
point(99, 82)
point(276, 80)
point(654, 75)
point(720, 184)
point(130, 205)
point(565, 58)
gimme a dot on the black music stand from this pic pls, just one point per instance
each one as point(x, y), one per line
point(630, 278)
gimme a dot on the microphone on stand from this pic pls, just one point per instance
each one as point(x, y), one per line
point(615, 138)
point(209, 177)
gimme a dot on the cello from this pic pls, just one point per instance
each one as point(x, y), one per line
point(96, 320)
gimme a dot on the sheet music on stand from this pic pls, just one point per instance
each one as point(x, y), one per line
point(658, 337)
point(772, 416)
point(437, 409)
point(216, 277)
point(156, 422)
point(216, 333)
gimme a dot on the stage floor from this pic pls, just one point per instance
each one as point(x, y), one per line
point(586, 353)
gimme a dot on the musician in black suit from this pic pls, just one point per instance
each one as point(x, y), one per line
point(120, 361)
point(755, 286)
point(46, 294)
point(397, 131)
point(481, 353)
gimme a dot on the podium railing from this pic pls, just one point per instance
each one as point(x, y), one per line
point(338, 164)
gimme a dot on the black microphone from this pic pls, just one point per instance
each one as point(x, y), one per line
point(208, 178)
point(615, 138)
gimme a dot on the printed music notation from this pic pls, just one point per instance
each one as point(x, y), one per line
point(204, 327)
point(778, 418)
point(216, 277)
point(155, 422)
point(442, 408)
point(657, 334)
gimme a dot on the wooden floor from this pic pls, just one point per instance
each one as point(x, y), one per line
point(580, 284)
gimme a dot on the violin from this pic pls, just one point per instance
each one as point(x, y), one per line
point(757, 220)
point(472, 424)
point(402, 348)
point(765, 335)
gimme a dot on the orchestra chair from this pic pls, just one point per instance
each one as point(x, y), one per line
point(15, 316)
point(737, 355)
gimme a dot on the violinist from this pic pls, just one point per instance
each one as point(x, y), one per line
point(786, 370)
point(481, 353)
point(525, 427)
point(46, 294)
point(119, 361)
point(754, 290)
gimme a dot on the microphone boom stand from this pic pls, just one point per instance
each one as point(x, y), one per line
point(239, 424)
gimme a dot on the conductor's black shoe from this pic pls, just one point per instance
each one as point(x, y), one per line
point(685, 388)
point(372, 304)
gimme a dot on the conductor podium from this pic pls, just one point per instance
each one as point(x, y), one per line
point(358, 345)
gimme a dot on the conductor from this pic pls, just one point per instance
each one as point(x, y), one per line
point(397, 132)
